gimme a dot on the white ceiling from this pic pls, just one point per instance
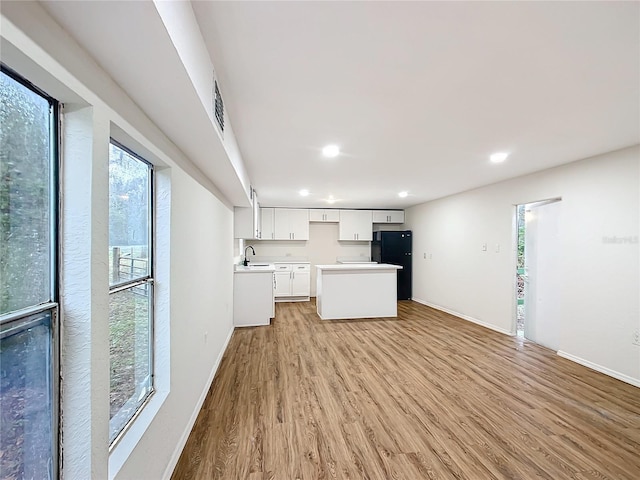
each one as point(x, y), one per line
point(418, 94)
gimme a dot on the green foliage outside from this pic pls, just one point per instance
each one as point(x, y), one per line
point(521, 227)
point(25, 197)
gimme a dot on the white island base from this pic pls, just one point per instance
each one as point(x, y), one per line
point(356, 291)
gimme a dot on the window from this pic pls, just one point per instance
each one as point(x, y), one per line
point(131, 286)
point(28, 281)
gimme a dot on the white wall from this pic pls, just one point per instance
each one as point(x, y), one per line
point(201, 321)
point(600, 280)
point(182, 26)
point(195, 262)
point(322, 248)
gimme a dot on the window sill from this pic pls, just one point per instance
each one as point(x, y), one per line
point(129, 440)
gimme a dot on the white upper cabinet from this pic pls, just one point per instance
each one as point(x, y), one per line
point(266, 215)
point(320, 215)
point(388, 216)
point(355, 225)
point(291, 224)
point(247, 223)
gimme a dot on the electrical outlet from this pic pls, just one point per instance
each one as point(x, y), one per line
point(424, 255)
point(636, 338)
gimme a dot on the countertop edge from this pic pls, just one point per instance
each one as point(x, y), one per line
point(359, 266)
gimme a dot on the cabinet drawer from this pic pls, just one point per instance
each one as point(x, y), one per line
point(282, 267)
point(305, 267)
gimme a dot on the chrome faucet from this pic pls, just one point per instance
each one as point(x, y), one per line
point(246, 261)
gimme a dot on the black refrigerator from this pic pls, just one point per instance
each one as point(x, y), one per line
point(395, 248)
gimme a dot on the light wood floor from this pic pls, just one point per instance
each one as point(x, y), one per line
point(426, 395)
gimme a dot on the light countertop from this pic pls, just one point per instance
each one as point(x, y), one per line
point(255, 269)
point(359, 266)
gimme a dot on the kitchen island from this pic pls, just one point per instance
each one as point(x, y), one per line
point(349, 291)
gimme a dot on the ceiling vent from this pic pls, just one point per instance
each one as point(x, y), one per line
point(218, 106)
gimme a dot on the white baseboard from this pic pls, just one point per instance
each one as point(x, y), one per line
point(465, 317)
point(599, 368)
point(194, 416)
point(593, 366)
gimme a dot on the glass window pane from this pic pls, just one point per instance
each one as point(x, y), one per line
point(130, 359)
point(25, 197)
point(26, 398)
point(129, 217)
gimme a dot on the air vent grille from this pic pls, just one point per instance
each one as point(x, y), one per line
point(218, 107)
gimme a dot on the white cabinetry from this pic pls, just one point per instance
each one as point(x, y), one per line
point(326, 216)
point(266, 215)
point(292, 282)
point(253, 298)
point(247, 221)
point(388, 216)
point(291, 224)
point(355, 225)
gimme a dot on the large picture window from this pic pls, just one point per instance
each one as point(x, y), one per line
point(131, 285)
point(29, 340)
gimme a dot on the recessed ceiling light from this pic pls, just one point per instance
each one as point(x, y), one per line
point(331, 151)
point(498, 157)
point(304, 192)
point(331, 199)
point(403, 194)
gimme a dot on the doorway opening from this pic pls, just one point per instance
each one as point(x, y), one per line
point(537, 276)
point(520, 275)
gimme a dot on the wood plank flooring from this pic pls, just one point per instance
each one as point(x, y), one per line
point(423, 396)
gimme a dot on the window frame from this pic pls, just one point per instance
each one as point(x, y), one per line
point(19, 319)
point(149, 280)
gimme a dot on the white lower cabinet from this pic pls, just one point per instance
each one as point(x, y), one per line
point(253, 298)
point(292, 282)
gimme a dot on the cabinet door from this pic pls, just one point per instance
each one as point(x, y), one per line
point(381, 216)
point(332, 215)
point(355, 225)
point(301, 283)
point(347, 227)
point(281, 224)
point(364, 230)
point(257, 219)
point(267, 223)
point(316, 215)
point(243, 222)
point(396, 216)
point(282, 284)
point(324, 216)
point(299, 224)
